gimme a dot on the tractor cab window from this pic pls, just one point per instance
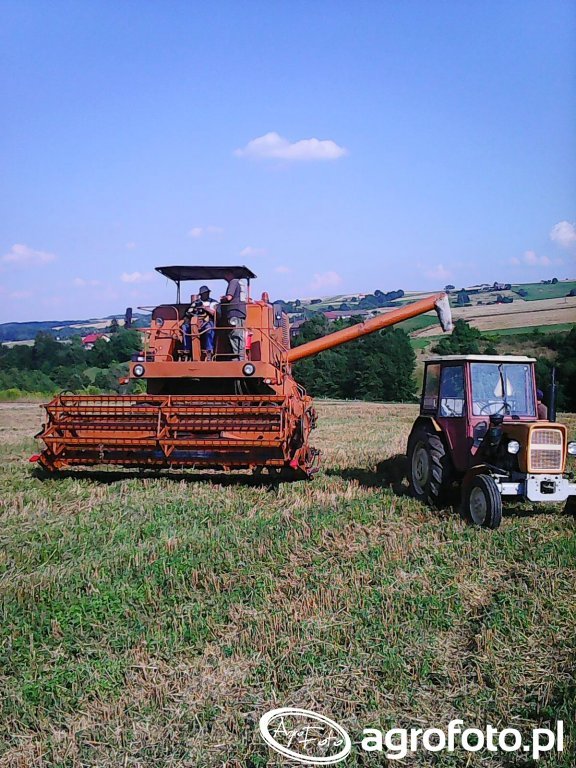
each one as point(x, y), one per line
point(430, 394)
point(505, 389)
point(452, 391)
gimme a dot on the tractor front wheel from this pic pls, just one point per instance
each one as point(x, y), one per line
point(570, 506)
point(482, 502)
point(428, 467)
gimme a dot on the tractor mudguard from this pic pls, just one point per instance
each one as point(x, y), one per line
point(427, 421)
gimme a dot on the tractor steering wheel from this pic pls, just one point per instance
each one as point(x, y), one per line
point(501, 407)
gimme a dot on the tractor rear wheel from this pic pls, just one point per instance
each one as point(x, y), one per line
point(483, 502)
point(428, 467)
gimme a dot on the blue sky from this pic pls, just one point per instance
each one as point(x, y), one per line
point(330, 146)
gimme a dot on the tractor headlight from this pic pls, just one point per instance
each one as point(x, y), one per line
point(248, 369)
point(138, 370)
point(513, 447)
point(572, 448)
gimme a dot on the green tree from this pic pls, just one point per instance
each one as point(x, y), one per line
point(464, 340)
point(377, 367)
point(124, 344)
point(101, 354)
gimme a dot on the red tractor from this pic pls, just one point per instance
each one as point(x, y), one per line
point(478, 425)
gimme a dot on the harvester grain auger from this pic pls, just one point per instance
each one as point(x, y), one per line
point(219, 413)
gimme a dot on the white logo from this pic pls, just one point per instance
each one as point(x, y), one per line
point(304, 736)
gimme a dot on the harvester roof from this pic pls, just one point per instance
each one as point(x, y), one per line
point(179, 274)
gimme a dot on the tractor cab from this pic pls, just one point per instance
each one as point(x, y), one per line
point(465, 394)
point(479, 424)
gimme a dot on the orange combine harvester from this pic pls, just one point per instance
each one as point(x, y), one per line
point(219, 413)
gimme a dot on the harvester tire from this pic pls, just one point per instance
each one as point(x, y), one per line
point(428, 467)
point(482, 502)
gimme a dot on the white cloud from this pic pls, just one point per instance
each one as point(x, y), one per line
point(325, 280)
point(439, 272)
point(531, 259)
point(23, 255)
point(272, 145)
point(563, 234)
point(20, 295)
point(283, 270)
point(250, 251)
point(137, 277)
point(81, 283)
point(197, 232)
point(131, 245)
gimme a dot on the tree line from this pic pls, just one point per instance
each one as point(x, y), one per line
point(50, 366)
point(376, 367)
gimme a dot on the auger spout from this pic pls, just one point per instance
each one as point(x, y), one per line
point(438, 301)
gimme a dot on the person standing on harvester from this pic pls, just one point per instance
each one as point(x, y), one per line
point(234, 310)
point(207, 332)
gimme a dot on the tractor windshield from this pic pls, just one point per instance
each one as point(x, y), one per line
point(502, 388)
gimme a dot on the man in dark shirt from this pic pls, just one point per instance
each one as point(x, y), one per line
point(234, 311)
point(542, 409)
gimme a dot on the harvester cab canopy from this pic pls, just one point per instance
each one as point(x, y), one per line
point(184, 273)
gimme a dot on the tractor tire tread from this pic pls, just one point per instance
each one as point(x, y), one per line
point(493, 497)
point(440, 468)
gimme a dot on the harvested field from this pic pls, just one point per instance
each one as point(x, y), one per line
point(149, 621)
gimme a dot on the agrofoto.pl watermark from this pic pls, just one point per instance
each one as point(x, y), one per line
point(306, 737)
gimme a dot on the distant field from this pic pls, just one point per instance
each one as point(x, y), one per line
point(420, 343)
point(539, 291)
point(418, 323)
point(149, 621)
point(558, 328)
point(423, 343)
point(519, 314)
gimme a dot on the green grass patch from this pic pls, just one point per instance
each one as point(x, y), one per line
point(530, 329)
point(418, 323)
point(537, 291)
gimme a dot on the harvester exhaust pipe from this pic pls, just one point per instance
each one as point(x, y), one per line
point(438, 301)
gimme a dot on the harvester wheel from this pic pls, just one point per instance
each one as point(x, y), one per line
point(482, 502)
point(428, 467)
